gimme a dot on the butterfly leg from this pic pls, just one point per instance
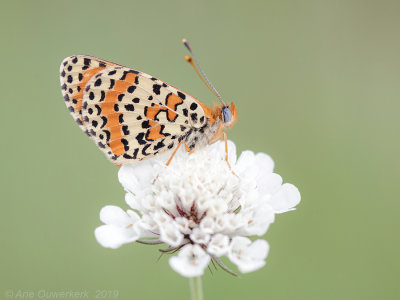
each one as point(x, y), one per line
point(226, 149)
point(225, 137)
point(173, 153)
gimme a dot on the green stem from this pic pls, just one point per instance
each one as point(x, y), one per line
point(196, 289)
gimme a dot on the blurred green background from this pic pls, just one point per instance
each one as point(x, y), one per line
point(317, 87)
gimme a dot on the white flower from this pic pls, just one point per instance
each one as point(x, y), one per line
point(120, 227)
point(191, 261)
point(201, 207)
point(246, 255)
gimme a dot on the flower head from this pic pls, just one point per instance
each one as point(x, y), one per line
point(201, 207)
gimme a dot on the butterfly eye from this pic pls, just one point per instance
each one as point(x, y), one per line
point(226, 114)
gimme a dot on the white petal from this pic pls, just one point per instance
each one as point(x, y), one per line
point(245, 160)
point(287, 197)
point(264, 162)
point(111, 236)
point(217, 208)
point(171, 235)
point(207, 224)
point(131, 200)
point(199, 236)
point(269, 184)
point(148, 227)
point(190, 262)
point(135, 177)
point(248, 256)
point(183, 225)
point(257, 221)
point(219, 245)
point(231, 151)
point(111, 214)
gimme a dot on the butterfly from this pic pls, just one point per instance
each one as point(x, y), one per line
point(132, 116)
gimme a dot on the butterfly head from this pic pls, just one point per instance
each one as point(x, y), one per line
point(229, 115)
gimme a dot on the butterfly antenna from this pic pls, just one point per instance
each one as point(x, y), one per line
point(193, 61)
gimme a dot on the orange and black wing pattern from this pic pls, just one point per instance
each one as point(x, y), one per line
point(130, 115)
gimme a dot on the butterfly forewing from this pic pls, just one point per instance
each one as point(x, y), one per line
point(129, 114)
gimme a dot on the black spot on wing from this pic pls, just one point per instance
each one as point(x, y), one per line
point(131, 89)
point(91, 95)
point(123, 77)
point(97, 82)
point(181, 95)
point(104, 119)
point(86, 61)
point(162, 131)
point(108, 134)
point(98, 109)
point(112, 82)
point(156, 89)
point(129, 107)
point(125, 142)
point(146, 124)
point(193, 106)
point(125, 129)
point(102, 96)
point(159, 145)
point(140, 138)
point(144, 150)
point(127, 156)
